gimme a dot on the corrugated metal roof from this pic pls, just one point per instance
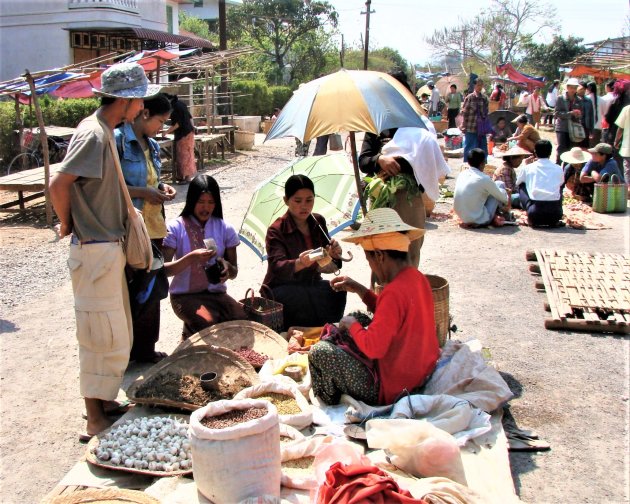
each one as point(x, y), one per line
point(171, 38)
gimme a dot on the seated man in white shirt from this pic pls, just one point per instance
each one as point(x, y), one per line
point(477, 197)
point(540, 188)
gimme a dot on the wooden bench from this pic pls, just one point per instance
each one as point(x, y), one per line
point(27, 181)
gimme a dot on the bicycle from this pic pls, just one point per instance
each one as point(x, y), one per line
point(33, 157)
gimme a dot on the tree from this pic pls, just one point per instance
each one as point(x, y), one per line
point(197, 26)
point(545, 59)
point(280, 27)
point(382, 60)
point(496, 36)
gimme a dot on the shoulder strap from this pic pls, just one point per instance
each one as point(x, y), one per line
point(123, 186)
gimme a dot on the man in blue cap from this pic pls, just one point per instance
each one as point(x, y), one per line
point(88, 199)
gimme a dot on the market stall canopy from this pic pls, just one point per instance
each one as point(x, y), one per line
point(520, 77)
point(609, 59)
point(599, 73)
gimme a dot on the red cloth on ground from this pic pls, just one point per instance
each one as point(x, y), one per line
point(402, 335)
point(348, 484)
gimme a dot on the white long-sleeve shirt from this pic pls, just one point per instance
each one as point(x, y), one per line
point(542, 178)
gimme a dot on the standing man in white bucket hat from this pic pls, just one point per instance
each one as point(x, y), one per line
point(88, 199)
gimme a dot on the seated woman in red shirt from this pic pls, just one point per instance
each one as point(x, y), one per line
point(294, 278)
point(401, 340)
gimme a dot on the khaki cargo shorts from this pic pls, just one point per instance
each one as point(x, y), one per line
point(104, 330)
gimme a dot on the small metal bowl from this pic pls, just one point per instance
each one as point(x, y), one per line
point(209, 381)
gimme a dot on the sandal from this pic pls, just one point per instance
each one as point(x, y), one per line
point(151, 359)
point(120, 409)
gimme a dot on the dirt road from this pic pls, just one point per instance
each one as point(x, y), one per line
point(572, 387)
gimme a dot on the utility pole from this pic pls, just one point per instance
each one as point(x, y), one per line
point(366, 46)
point(342, 52)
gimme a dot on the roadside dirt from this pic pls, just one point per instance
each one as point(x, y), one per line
point(572, 388)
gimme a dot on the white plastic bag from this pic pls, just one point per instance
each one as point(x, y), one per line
point(272, 371)
point(236, 462)
point(417, 447)
point(297, 420)
point(462, 372)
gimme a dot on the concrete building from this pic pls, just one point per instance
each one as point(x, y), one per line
point(206, 9)
point(44, 34)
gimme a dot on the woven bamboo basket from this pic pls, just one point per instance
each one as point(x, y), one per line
point(439, 288)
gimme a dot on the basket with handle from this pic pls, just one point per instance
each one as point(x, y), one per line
point(265, 310)
point(440, 291)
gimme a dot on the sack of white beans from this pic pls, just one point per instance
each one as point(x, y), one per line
point(236, 450)
point(293, 408)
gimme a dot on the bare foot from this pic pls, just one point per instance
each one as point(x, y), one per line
point(98, 425)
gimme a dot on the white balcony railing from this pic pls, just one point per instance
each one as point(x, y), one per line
point(123, 5)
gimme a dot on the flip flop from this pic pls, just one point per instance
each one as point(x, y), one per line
point(85, 438)
point(524, 444)
point(119, 410)
point(152, 359)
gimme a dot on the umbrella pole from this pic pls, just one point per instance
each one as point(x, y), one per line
point(357, 176)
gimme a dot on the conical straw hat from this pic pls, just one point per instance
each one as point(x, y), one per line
point(382, 221)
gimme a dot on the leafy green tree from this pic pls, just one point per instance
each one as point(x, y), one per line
point(199, 27)
point(545, 59)
point(280, 29)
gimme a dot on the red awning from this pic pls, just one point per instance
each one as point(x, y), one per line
point(150, 60)
point(81, 88)
point(516, 76)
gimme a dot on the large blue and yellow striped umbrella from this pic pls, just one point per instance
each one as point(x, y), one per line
point(348, 101)
point(336, 198)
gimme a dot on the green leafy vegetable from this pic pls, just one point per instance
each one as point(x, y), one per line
point(382, 193)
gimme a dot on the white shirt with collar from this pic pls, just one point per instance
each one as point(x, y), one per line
point(542, 178)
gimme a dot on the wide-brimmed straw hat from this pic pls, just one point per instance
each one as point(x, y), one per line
point(126, 80)
point(572, 82)
point(514, 151)
point(576, 156)
point(381, 221)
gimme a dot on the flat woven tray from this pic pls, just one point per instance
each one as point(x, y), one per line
point(103, 496)
point(585, 292)
point(90, 455)
point(195, 361)
point(237, 334)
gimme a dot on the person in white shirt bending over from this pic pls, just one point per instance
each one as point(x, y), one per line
point(540, 188)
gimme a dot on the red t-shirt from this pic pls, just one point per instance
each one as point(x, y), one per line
point(402, 336)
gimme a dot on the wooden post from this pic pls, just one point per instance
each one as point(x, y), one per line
point(213, 99)
point(157, 72)
point(357, 175)
point(206, 98)
point(20, 126)
point(43, 138)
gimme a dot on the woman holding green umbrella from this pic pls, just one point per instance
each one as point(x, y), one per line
point(293, 272)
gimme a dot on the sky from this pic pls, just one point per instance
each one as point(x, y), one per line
point(403, 24)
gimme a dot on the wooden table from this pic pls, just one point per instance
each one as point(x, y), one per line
point(56, 131)
point(225, 129)
point(27, 181)
point(208, 144)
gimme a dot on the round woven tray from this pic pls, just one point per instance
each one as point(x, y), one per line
point(194, 361)
point(104, 496)
point(237, 334)
point(90, 455)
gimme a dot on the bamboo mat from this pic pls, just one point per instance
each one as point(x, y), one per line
point(585, 292)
